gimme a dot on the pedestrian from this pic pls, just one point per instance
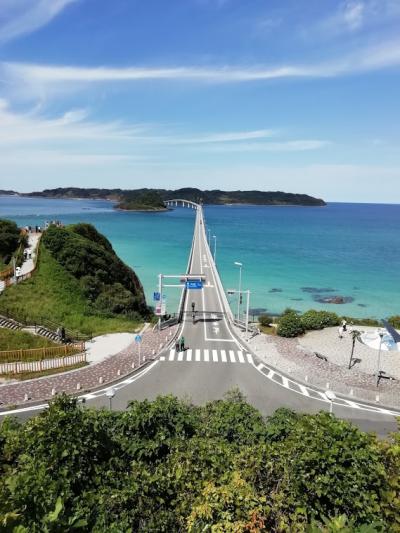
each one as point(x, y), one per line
point(63, 334)
point(177, 346)
point(344, 325)
point(58, 333)
point(182, 343)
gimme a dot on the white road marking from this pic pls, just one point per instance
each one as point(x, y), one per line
point(240, 356)
point(232, 356)
point(303, 389)
point(223, 356)
point(285, 381)
point(206, 356)
point(197, 355)
point(271, 373)
point(249, 358)
point(171, 355)
point(162, 358)
point(180, 356)
point(215, 356)
point(189, 355)
point(352, 404)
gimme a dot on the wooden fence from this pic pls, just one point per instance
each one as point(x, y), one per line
point(40, 354)
point(45, 364)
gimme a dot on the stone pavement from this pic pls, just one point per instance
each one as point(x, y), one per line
point(299, 362)
point(89, 377)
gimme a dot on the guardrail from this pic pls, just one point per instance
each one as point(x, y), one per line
point(20, 367)
point(37, 354)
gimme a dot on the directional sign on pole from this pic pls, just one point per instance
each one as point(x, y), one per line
point(156, 296)
point(163, 305)
point(194, 284)
point(138, 338)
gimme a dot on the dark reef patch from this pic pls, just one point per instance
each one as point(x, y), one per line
point(333, 299)
point(316, 290)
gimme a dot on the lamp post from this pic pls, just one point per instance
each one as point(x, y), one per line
point(110, 393)
point(240, 265)
point(215, 248)
point(209, 236)
point(381, 334)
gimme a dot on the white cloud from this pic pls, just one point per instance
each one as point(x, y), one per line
point(34, 79)
point(19, 17)
point(281, 146)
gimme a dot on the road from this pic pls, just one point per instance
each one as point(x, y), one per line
point(215, 361)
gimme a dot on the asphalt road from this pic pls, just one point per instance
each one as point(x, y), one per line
point(214, 361)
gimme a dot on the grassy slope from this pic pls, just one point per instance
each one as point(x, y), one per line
point(54, 294)
point(21, 340)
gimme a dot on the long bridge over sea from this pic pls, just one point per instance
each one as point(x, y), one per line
point(217, 357)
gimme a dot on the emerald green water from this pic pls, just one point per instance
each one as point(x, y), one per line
point(291, 255)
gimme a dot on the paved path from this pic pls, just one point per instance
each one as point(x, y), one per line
point(105, 346)
point(29, 264)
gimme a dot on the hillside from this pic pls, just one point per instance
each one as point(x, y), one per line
point(80, 283)
point(144, 201)
point(216, 197)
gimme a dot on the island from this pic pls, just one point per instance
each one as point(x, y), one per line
point(153, 199)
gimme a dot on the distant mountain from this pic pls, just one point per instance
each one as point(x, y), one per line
point(7, 193)
point(139, 198)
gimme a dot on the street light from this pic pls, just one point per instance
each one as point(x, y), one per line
point(215, 248)
point(381, 334)
point(110, 393)
point(209, 236)
point(331, 396)
point(240, 265)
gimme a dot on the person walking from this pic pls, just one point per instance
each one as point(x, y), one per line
point(182, 344)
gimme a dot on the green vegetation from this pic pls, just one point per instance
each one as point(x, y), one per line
point(22, 340)
point(142, 201)
point(319, 319)
point(10, 239)
point(395, 321)
point(188, 193)
point(168, 466)
point(290, 324)
point(79, 283)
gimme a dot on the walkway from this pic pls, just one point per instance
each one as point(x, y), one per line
point(29, 264)
point(90, 377)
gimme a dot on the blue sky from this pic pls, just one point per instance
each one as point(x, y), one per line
point(295, 95)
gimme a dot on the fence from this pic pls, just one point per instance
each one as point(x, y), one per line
point(40, 354)
point(44, 364)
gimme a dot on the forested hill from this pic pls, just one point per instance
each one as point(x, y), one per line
point(126, 198)
point(109, 285)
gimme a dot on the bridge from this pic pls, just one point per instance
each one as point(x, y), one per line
point(216, 359)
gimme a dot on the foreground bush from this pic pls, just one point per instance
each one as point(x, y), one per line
point(395, 321)
point(168, 466)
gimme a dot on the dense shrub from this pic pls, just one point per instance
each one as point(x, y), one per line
point(109, 284)
point(10, 236)
point(319, 319)
point(169, 466)
point(265, 320)
point(290, 325)
point(395, 321)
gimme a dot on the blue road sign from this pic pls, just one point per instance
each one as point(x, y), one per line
point(156, 296)
point(138, 338)
point(194, 284)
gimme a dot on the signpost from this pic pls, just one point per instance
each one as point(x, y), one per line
point(194, 284)
point(138, 340)
point(156, 296)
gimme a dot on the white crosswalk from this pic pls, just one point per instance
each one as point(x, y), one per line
point(209, 356)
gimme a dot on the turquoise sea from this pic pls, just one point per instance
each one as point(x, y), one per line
point(292, 256)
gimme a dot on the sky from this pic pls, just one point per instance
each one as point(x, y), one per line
point(293, 95)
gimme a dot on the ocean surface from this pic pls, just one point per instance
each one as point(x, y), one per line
point(292, 256)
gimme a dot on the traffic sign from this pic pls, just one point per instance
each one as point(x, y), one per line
point(156, 296)
point(194, 284)
point(138, 338)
